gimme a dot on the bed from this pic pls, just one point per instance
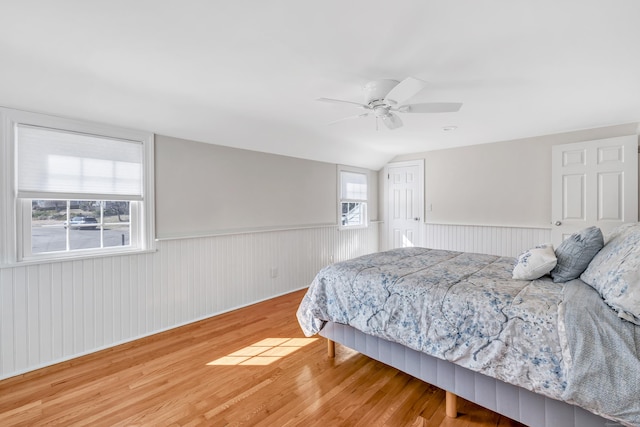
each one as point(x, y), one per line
point(558, 346)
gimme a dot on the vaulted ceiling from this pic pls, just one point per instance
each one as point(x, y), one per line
point(247, 73)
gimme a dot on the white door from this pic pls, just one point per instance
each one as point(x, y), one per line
point(405, 190)
point(594, 183)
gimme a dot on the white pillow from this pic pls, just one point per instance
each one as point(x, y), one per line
point(535, 263)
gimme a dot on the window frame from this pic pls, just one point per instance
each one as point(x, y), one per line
point(15, 213)
point(365, 202)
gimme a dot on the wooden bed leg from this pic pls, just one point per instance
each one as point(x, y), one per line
point(331, 348)
point(451, 407)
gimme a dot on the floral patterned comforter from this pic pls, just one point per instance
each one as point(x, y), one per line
point(461, 307)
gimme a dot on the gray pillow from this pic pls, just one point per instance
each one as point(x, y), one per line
point(575, 253)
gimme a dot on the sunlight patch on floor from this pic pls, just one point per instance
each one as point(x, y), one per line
point(263, 352)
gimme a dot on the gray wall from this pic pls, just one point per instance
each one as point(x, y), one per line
point(207, 189)
point(503, 183)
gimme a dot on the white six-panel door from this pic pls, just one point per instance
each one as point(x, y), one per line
point(405, 189)
point(594, 183)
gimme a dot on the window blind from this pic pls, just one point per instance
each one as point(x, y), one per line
point(353, 186)
point(56, 164)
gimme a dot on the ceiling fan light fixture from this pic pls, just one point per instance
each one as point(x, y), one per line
point(381, 110)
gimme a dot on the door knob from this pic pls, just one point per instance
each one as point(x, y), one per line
point(416, 219)
point(558, 223)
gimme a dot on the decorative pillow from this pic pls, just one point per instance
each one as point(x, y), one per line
point(535, 263)
point(575, 253)
point(615, 272)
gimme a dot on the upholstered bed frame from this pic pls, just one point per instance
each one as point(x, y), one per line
point(511, 401)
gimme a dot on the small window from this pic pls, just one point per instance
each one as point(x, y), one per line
point(353, 198)
point(75, 188)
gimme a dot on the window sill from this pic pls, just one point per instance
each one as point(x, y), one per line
point(74, 257)
point(352, 227)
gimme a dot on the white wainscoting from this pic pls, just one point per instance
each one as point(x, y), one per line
point(493, 240)
point(52, 312)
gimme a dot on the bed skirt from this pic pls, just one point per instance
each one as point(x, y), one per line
point(511, 401)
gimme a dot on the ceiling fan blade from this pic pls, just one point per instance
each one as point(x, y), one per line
point(340, 101)
point(391, 121)
point(430, 107)
point(404, 90)
point(348, 118)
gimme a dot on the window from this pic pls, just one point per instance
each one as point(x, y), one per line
point(71, 225)
point(74, 188)
point(352, 206)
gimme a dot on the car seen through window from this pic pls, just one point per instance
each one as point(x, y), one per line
point(83, 223)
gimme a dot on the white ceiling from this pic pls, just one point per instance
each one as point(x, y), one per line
point(247, 73)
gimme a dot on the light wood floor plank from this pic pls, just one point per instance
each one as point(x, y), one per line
point(169, 380)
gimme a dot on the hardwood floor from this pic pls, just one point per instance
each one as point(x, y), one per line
point(203, 374)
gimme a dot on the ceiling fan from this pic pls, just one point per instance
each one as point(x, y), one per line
point(383, 98)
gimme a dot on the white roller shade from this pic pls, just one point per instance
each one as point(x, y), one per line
point(353, 186)
point(66, 165)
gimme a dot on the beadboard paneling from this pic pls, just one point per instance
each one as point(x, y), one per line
point(52, 312)
point(493, 240)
